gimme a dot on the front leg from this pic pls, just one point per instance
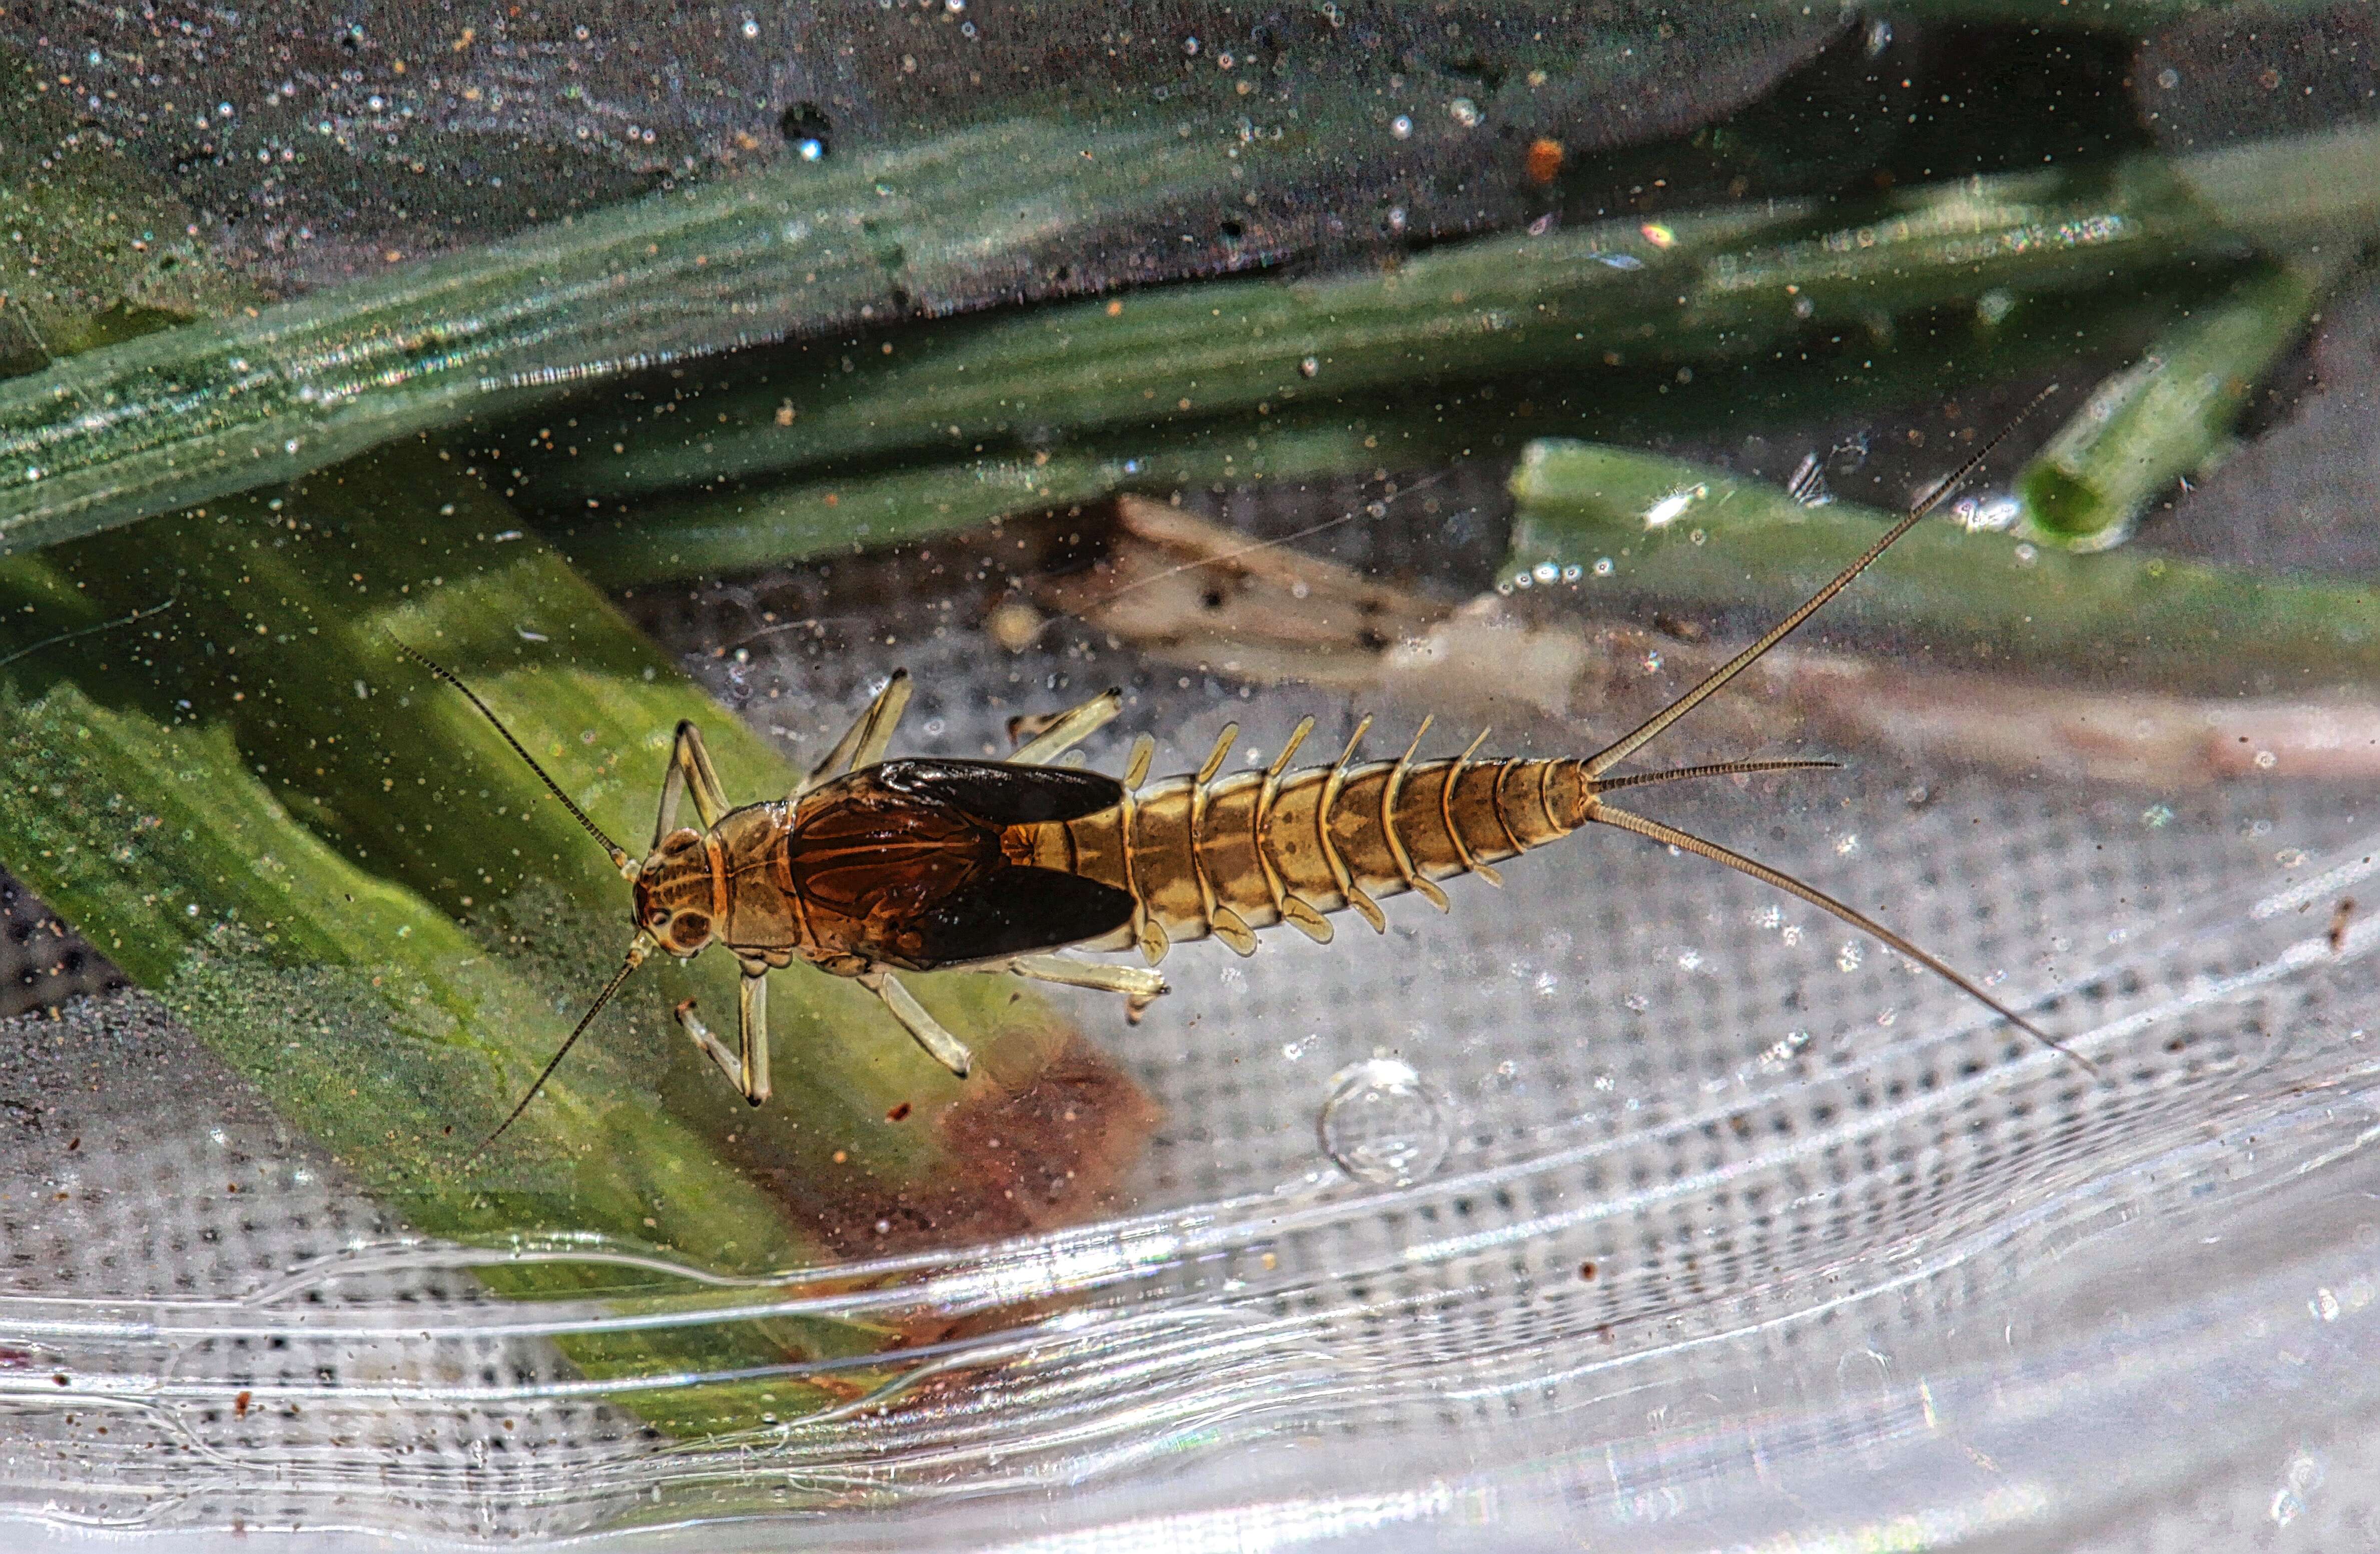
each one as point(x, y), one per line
point(689, 768)
point(746, 1070)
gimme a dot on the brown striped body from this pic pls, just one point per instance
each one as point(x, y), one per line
point(872, 866)
point(1240, 854)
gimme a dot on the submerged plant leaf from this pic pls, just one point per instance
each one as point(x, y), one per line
point(317, 143)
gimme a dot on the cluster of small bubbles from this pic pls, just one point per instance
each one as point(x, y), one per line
point(1848, 957)
point(1381, 1123)
point(2291, 857)
point(1690, 960)
point(1986, 515)
point(1651, 662)
point(1786, 1048)
point(1401, 127)
point(2325, 1306)
point(1464, 112)
point(2300, 1478)
point(2156, 817)
point(1637, 1003)
point(1848, 845)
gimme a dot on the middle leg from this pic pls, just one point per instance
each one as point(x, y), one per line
point(863, 744)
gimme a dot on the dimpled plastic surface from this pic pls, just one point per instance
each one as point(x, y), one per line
point(1742, 1227)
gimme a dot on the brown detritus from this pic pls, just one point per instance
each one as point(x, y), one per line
point(2340, 915)
point(899, 1112)
point(1051, 1152)
point(1586, 1271)
point(1191, 592)
point(1287, 617)
point(239, 1404)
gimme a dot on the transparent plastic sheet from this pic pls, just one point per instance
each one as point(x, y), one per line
point(1725, 1223)
point(1724, 1228)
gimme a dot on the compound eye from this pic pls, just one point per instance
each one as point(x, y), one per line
point(692, 926)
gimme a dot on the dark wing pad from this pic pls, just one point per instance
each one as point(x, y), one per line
point(1002, 795)
point(1013, 911)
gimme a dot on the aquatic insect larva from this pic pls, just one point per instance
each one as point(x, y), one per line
point(872, 866)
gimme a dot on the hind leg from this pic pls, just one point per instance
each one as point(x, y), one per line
point(1140, 985)
point(1070, 729)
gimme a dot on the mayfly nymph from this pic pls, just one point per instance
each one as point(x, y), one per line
point(874, 867)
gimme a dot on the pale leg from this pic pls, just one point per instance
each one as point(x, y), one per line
point(1140, 985)
point(689, 768)
point(941, 1045)
point(863, 744)
point(748, 1071)
point(1069, 729)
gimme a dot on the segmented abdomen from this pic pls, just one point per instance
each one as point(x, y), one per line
point(1243, 852)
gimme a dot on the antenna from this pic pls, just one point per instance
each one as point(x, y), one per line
point(620, 858)
point(638, 950)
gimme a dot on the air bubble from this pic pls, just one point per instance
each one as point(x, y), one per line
point(808, 130)
point(1401, 127)
point(1382, 1124)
